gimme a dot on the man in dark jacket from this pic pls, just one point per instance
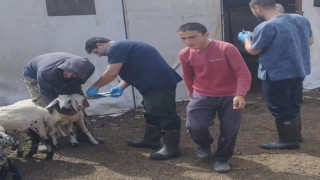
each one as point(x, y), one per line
point(49, 75)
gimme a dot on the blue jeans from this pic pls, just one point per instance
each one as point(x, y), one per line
point(283, 97)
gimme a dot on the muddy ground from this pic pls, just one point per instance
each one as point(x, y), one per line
point(115, 160)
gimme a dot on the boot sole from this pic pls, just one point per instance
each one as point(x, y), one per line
point(143, 146)
point(281, 148)
point(165, 158)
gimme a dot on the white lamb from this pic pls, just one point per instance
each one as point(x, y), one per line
point(74, 101)
point(24, 120)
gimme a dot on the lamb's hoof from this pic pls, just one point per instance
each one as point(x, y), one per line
point(14, 148)
point(95, 142)
point(84, 138)
point(49, 156)
point(74, 144)
point(55, 147)
point(19, 153)
point(99, 139)
point(29, 156)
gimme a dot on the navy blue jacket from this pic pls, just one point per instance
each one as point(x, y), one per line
point(143, 66)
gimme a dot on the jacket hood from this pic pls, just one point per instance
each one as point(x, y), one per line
point(81, 67)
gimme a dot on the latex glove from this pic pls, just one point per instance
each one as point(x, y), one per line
point(244, 35)
point(116, 91)
point(92, 91)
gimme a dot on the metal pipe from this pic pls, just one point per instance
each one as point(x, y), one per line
point(222, 20)
point(124, 12)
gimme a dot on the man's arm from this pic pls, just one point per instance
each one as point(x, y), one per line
point(108, 75)
point(188, 74)
point(46, 89)
point(247, 46)
point(123, 84)
point(242, 73)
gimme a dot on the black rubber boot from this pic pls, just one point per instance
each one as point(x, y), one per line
point(151, 138)
point(171, 148)
point(288, 136)
point(300, 140)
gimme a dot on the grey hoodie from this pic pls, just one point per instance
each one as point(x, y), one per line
point(47, 69)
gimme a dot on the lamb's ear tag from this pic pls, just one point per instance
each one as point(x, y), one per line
point(55, 101)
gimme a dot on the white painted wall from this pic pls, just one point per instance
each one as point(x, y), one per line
point(313, 14)
point(26, 31)
point(156, 22)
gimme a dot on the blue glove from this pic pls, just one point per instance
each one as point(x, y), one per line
point(243, 35)
point(92, 91)
point(116, 91)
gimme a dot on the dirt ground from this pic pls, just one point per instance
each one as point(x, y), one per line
point(115, 160)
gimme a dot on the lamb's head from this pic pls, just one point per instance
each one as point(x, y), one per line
point(64, 102)
point(67, 101)
point(78, 100)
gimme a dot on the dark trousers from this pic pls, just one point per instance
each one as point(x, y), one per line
point(161, 109)
point(283, 97)
point(201, 112)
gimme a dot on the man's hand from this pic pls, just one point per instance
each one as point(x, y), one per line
point(116, 91)
point(239, 102)
point(244, 35)
point(92, 91)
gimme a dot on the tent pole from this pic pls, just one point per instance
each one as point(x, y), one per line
point(124, 11)
point(222, 20)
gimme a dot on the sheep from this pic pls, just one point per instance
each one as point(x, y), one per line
point(6, 167)
point(74, 101)
point(24, 120)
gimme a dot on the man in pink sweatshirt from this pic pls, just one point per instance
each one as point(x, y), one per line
point(217, 79)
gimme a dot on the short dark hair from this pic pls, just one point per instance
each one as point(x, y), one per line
point(193, 26)
point(92, 43)
point(263, 3)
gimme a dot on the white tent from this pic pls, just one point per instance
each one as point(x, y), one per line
point(313, 14)
point(27, 31)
